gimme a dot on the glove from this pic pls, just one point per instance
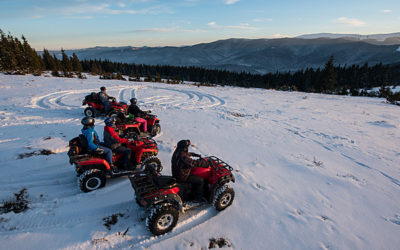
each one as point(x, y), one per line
point(99, 151)
point(131, 140)
point(149, 111)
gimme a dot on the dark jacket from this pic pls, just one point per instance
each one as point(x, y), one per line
point(136, 111)
point(112, 139)
point(181, 164)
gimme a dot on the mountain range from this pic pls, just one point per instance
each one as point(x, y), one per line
point(260, 55)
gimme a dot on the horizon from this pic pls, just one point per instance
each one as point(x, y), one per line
point(79, 24)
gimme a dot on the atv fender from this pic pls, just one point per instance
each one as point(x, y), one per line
point(224, 180)
point(168, 198)
point(80, 169)
point(90, 163)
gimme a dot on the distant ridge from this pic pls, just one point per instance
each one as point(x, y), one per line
point(383, 39)
point(260, 55)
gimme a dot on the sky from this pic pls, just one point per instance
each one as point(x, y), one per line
point(74, 24)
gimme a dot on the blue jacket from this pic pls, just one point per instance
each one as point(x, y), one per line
point(91, 137)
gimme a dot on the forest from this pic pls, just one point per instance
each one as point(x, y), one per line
point(18, 57)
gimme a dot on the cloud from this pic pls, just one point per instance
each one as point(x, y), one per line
point(277, 36)
point(259, 20)
point(121, 4)
point(167, 30)
point(80, 17)
point(231, 1)
point(386, 11)
point(242, 26)
point(106, 9)
point(36, 16)
point(349, 21)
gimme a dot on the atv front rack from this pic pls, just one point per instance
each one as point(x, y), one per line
point(218, 164)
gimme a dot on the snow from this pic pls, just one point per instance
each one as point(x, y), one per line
point(394, 89)
point(312, 171)
point(377, 37)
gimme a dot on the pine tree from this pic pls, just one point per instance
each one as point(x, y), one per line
point(18, 50)
point(7, 56)
point(76, 64)
point(158, 77)
point(32, 59)
point(48, 61)
point(66, 64)
point(328, 78)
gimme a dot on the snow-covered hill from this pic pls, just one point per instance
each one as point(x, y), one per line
point(391, 38)
point(258, 56)
point(312, 171)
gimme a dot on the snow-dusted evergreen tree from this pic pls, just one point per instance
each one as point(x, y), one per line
point(76, 64)
point(66, 64)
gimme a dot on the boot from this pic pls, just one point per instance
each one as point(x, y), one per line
point(114, 169)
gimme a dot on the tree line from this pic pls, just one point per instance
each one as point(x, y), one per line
point(17, 56)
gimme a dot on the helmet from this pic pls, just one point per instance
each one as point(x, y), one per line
point(103, 88)
point(88, 121)
point(109, 121)
point(133, 101)
point(184, 144)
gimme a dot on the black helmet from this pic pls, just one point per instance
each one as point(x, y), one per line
point(183, 144)
point(133, 101)
point(87, 121)
point(109, 121)
point(103, 88)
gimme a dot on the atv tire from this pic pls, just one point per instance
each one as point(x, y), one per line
point(91, 180)
point(155, 130)
point(90, 112)
point(154, 162)
point(113, 113)
point(223, 197)
point(162, 219)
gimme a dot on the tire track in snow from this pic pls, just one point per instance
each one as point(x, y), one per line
point(393, 180)
point(195, 98)
point(46, 216)
point(291, 129)
point(187, 221)
point(54, 100)
point(123, 92)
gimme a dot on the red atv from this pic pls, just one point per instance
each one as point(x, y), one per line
point(97, 108)
point(164, 197)
point(130, 128)
point(153, 124)
point(92, 169)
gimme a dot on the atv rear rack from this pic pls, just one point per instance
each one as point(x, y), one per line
point(142, 183)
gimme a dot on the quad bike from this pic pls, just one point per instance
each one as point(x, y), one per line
point(153, 124)
point(164, 197)
point(92, 169)
point(97, 108)
point(130, 128)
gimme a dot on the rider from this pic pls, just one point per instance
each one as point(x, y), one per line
point(181, 164)
point(104, 97)
point(137, 113)
point(93, 140)
point(112, 140)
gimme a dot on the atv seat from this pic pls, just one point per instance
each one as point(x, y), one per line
point(165, 181)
